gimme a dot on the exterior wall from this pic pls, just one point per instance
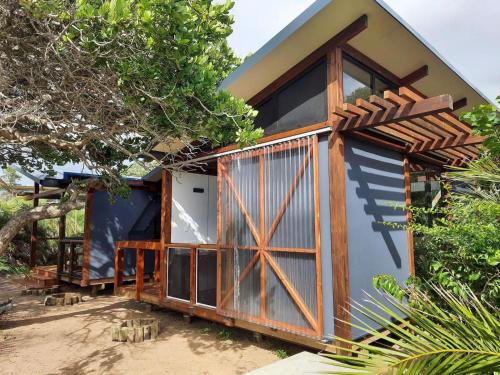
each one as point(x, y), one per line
point(113, 222)
point(194, 214)
point(374, 178)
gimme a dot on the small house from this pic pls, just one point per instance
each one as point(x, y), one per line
point(279, 237)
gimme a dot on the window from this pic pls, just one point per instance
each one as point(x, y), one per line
point(361, 82)
point(301, 102)
point(206, 284)
point(178, 273)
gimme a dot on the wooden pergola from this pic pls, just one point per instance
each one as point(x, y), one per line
point(407, 121)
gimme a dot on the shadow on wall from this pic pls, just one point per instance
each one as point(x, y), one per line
point(381, 186)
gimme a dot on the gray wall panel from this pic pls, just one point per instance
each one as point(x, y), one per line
point(110, 223)
point(374, 178)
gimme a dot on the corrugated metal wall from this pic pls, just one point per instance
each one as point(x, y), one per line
point(268, 203)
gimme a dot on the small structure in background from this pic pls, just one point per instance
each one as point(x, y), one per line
point(88, 259)
point(135, 330)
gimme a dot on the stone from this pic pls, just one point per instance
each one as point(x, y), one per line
point(61, 299)
point(135, 330)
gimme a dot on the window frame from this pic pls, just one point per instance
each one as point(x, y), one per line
point(273, 96)
point(373, 74)
point(196, 282)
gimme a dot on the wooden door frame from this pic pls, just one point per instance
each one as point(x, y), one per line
point(262, 237)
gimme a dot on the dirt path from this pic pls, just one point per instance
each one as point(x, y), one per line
point(35, 339)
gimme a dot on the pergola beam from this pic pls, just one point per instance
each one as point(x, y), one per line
point(359, 119)
point(415, 76)
point(447, 144)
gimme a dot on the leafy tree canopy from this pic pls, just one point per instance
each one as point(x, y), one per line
point(101, 82)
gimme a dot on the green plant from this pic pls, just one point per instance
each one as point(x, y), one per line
point(224, 334)
point(16, 269)
point(425, 338)
point(281, 353)
point(461, 247)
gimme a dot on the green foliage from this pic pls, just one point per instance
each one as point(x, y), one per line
point(460, 338)
point(224, 334)
point(12, 269)
point(486, 122)
point(461, 247)
point(17, 255)
point(169, 57)
point(281, 353)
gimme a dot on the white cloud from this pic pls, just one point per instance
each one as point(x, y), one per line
point(465, 32)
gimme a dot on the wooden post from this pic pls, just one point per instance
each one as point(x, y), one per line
point(61, 244)
point(218, 288)
point(338, 210)
point(34, 229)
point(317, 233)
point(118, 268)
point(409, 233)
point(87, 237)
point(139, 273)
point(192, 275)
point(166, 229)
point(71, 259)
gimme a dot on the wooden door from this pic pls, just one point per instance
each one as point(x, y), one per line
point(269, 269)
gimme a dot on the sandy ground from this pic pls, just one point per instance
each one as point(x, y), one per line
point(35, 339)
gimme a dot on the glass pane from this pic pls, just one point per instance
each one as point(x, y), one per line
point(380, 87)
point(356, 81)
point(207, 277)
point(178, 273)
point(303, 102)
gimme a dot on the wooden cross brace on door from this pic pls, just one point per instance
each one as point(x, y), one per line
point(262, 237)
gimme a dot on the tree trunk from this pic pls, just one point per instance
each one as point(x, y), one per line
point(48, 211)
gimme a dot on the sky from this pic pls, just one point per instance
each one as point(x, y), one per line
point(465, 32)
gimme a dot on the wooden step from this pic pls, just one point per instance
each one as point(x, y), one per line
point(46, 271)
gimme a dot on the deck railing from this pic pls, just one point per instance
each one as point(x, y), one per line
point(160, 266)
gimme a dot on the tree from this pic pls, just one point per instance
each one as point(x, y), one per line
point(103, 81)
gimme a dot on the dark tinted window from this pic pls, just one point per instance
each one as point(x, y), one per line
point(178, 273)
point(207, 277)
point(301, 102)
point(361, 82)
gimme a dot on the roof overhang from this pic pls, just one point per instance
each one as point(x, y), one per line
point(389, 41)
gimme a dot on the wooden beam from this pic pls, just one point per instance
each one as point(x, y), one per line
point(409, 216)
point(166, 227)
point(341, 38)
point(57, 193)
point(34, 229)
point(339, 235)
point(118, 275)
point(61, 245)
point(317, 235)
point(460, 103)
point(87, 237)
point(409, 111)
point(447, 144)
point(415, 76)
point(139, 274)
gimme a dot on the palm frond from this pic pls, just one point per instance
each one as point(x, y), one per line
point(425, 339)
